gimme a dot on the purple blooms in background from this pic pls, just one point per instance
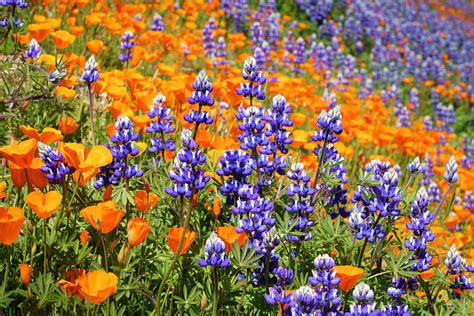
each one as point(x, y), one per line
point(299, 56)
point(90, 73)
point(208, 40)
point(214, 253)
point(221, 52)
point(161, 124)
point(33, 51)
point(126, 46)
point(55, 167)
point(457, 267)
point(186, 174)
point(123, 147)
point(157, 23)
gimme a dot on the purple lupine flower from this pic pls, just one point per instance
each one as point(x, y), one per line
point(157, 23)
point(414, 99)
point(458, 268)
point(123, 147)
point(14, 3)
point(299, 206)
point(187, 176)
point(402, 114)
point(395, 292)
point(360, 224)
point(428, 123)
point(33, 51)
point(434, 192)
point(428, 173)
point(208, 40)
point(221, 52)
point(276, 294)
point(468, 157)
point(419, 224)
point(415, 167)
point(273, 30)
point(202, 95)
point(451, 174)
point(161, 123)
point(278, 118)
point(235, 166)
point(299, 53)
point(90, 73)
point(303, 301)
point(253, 126)
point(363, 304)
point(241, 14)
point(227, 7)
point(214, 253)
point(126, 46)
point(253, 88)
point(55, 167)
point(329, 123)
point(257, 34)
point(325, 282)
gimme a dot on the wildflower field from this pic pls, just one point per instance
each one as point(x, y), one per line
point(236, 157)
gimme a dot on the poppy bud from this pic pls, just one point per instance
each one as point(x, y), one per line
point(123, 254)
point(85, 237)
point(29, 226)
point(25, 273)
point(147, 187)
point(203, 302)
point(33, 249)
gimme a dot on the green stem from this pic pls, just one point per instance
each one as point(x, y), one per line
point(442, 201)
point(91, 113)
point(215, 282)
point(105, 251)
point(45, 257)
point(7, 270)
point(176, 255)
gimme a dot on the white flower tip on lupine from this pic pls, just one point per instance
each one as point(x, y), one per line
point(361, 290)
point(42, 147)
point(186, 135)
point(159, 99)
point(422, 194)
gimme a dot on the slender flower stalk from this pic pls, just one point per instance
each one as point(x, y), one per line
point(89, 76)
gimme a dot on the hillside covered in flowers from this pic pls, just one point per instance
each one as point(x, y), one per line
point(216, 157)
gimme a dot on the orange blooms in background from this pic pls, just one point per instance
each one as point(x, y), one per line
point(44, 205)
point(11, 220)
point(138, 229)
point(3, 185)
point(47, 136)
point(97, 286)
point(103, 217)
point(68, 125)
point(62, 39)
point(174, 235)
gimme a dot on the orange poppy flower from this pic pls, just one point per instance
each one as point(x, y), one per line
point(44, 205)
point(216, 207)
point(144, 201)
point(104, 217)
point(428, 274)
point(71, 282)
point(95, 46)
point(65, 93)
point(349, 276)
point(229, 236)
point(174, 235)
point(138, 229)
point(11, 220)
point(62, 39)
point(25, 273)
point(84, 237)
point(86, 161)
point(96, 286)
point(3, 184)
point(68, 125)
point(21, 154)
point(39, 31)
point(48, 135)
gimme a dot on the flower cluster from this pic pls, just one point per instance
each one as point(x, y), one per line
point(160, 124)
point(55, 167)
point(126, 46)
point(122, 149)
point(33, 51)
point(90, 73)
point(253, 88)
point(202, 95)
point(157, 23)
point(214, 253)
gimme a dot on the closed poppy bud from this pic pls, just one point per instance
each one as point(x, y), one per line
point(349, 276)
point(147, 186)
point(29, 226)
point(216, 207)
point(44, 205)
point(107, 193)
point(124, 253)
point(2, 187)
point(68, 125)
point(85, 237)
point(195, 200)
point(203, 301)
point(97, 286)
point(11, 220)
point(25, 273)
point(138, 229)
point(144, 201)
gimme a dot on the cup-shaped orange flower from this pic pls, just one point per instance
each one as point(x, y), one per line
point(11, 220)
point(174, 235)
point(48, 135)
point(138, 229)
point(71, 282)
point(44, 205)
point(144, 201)
point(86, 161)
point(68, 125)
point(349, 276)
point(95, 46)
point(62, 39)
point(96, 286)
point(229, 236)
point(25, 273)
point(20, 154)
point(39, 31)
point(104, 217)
point(3, 184)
